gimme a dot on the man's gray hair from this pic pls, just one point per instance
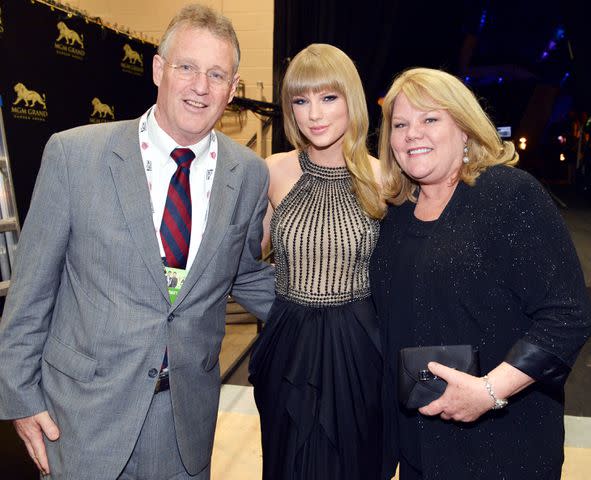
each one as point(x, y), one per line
point(206, 18)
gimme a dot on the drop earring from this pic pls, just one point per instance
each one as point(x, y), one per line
point(466, 159)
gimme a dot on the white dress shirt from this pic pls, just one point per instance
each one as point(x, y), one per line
point(156, 152)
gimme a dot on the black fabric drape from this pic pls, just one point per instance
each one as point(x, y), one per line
point(498, 44)
point(381, 36)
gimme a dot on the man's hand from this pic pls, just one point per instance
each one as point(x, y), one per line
point(31, 430)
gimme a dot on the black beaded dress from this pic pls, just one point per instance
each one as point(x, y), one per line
point(317, 365)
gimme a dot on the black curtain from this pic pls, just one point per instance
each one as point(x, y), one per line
point(382, 37)
point(504, 49)
point(578, 16)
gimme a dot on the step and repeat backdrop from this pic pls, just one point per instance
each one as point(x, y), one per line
point(59, 70)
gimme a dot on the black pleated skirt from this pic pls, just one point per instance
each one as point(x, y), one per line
point(317, 376)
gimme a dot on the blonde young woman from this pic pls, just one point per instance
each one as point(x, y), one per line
point(317, 366)
point(473, 252)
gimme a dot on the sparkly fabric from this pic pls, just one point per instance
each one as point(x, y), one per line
point(498, 270)
point(322, 239)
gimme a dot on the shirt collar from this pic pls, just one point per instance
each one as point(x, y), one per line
point(166, 144)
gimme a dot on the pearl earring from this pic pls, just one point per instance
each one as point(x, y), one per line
point(466, 159)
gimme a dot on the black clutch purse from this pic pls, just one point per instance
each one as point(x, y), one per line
point(417, 386)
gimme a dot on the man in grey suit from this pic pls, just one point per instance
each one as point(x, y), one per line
point(89, 319)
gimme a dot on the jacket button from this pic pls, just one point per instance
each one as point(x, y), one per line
point(170, 318)
point(152, 372)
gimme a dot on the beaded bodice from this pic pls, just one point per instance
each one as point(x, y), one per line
point(322, 239)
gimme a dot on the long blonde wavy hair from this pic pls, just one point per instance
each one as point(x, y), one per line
point(430, 89)
point(321, 67)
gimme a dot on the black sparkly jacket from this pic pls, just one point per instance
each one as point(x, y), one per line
point(501, 273)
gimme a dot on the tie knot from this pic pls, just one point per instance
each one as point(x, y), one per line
point(183, 156)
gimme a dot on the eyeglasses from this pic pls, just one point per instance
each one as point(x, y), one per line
point(187, 71)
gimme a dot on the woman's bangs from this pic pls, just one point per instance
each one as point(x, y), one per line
point(311, 78)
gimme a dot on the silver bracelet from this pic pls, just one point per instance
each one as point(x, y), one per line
point(498, 403)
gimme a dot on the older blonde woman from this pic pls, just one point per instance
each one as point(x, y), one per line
point(474, 252)
point(317, 365)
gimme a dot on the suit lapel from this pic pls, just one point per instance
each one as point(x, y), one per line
point(224, 194)
point(132, 190)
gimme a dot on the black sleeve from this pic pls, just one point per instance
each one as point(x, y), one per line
point(545, 274)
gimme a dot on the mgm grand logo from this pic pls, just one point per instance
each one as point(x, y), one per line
point(29, 104)
point(132, 62)
point(69, 43)
point(101, 112)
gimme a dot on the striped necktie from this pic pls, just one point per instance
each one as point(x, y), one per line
point(175, 230)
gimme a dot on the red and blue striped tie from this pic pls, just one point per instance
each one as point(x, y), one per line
point(175, 230)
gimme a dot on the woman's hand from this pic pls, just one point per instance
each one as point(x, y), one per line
point(465, 399)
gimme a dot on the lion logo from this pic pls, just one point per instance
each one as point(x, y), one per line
point(30, 97)
point(102, 109)
point(132, 56)
point(69, 36)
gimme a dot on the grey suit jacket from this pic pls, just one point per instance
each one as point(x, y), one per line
point(88, 314)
